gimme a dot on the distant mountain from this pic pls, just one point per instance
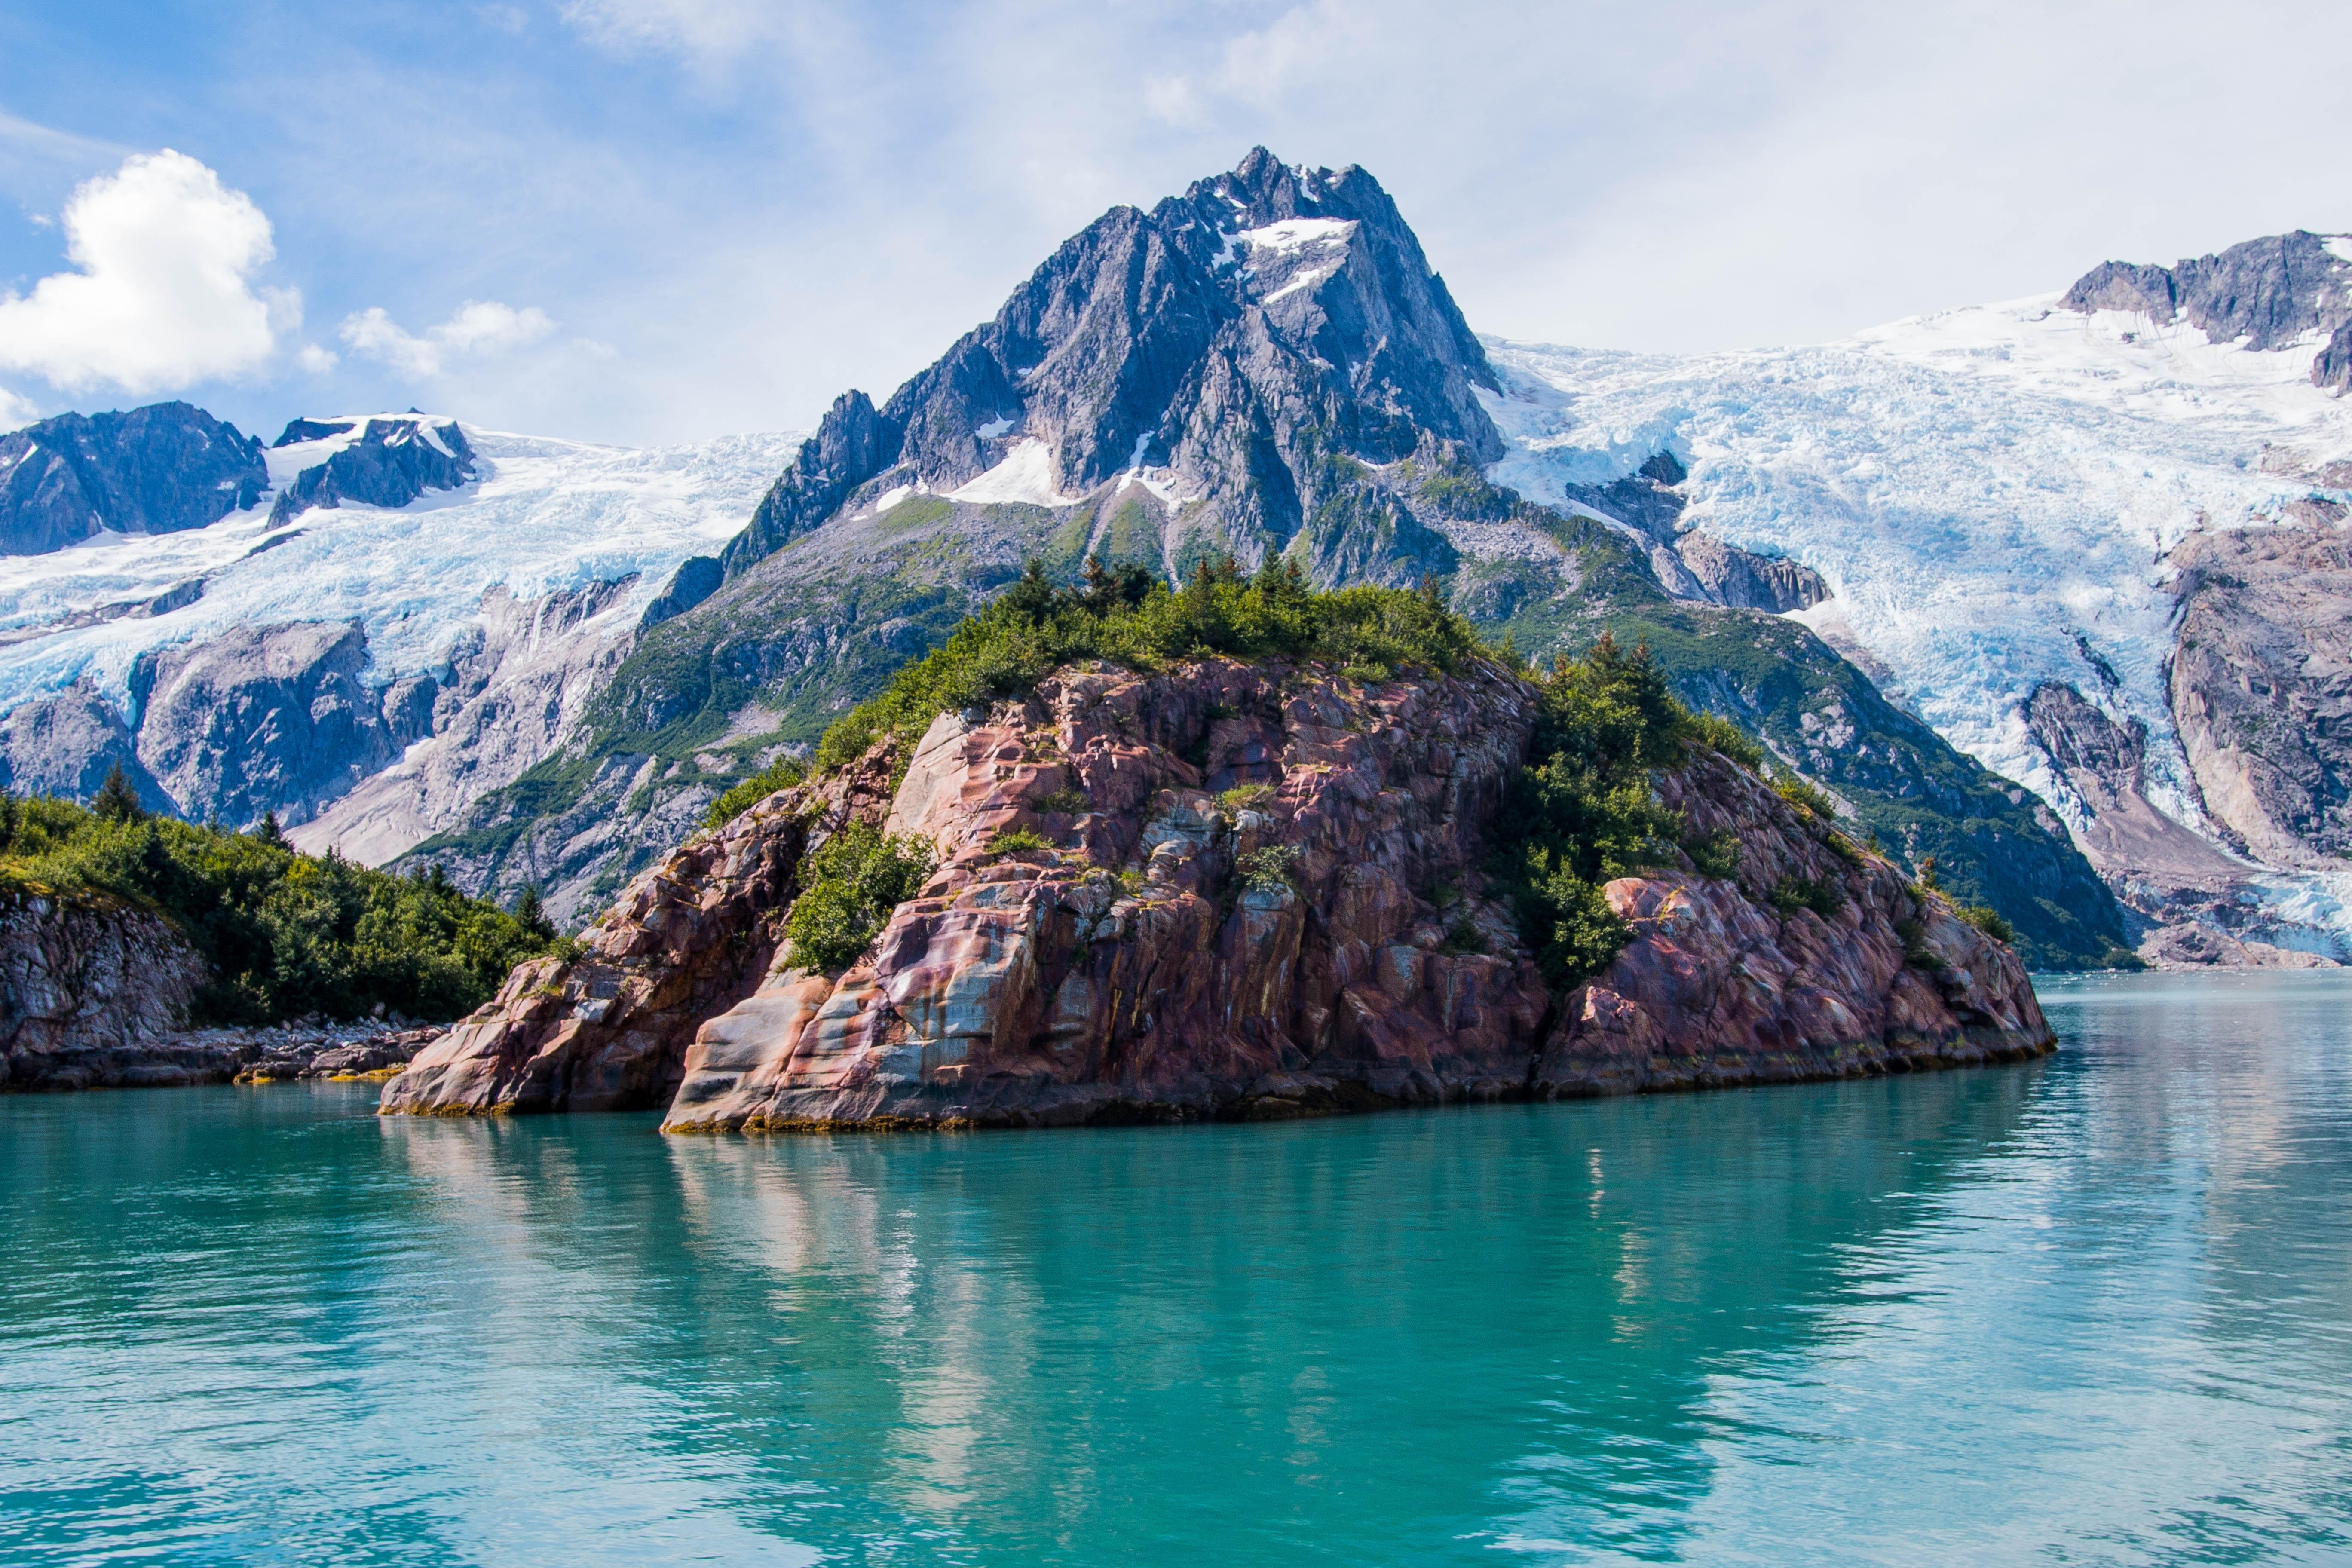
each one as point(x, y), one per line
point(157, 469)
point(398, 613)
point(2095, 539)
point(1266, 368)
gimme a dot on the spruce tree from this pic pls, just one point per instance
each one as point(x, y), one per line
point(269, 833)
point(118, 798)
point(529, 913)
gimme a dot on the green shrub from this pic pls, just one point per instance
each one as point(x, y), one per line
point(1728, 738)
point(848, 889)
point(1018, 841)
point(1824, 897)
point(1582, 812)
point(1987, 919)
point(1462, 937)
point(1805, 797)
point(1067, 801)
point(782, 774)
point(1713, 854)
point(1844, 848)
point(1275, 866)
point(1128, 619)
point(281, 934)
point(1244, 797)
point(1916, 953)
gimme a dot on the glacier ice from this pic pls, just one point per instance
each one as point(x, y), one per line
point(541, 515)
point(1990, 492)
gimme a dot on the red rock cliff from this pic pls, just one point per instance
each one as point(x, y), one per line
point(1134, 972)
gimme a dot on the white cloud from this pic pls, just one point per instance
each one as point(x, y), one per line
point(479, 327)
point(163, 294)
point(314, 359)
point(15, 412)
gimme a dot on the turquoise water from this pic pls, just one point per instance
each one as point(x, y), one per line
point(2094, 1310)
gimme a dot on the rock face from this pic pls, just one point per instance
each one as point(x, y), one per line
point(2261, 686)
point(1720, 986)
point(504, 699)
point(386, 462)
point(1160, 962)
point(91, 992)
point(270, 719)
point(2266, 291)
point(156, 469)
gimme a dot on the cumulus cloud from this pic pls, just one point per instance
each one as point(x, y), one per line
point(479, 327)
point(15, 412)
point(162, 293)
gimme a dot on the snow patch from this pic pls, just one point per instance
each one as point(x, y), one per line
point(1297, 233)
point(993, 428)
point(1025, 476)
point(2339, 246)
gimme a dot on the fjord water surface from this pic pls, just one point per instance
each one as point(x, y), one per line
point(2093, 1310)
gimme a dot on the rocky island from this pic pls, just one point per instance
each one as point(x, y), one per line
point(1282, 873)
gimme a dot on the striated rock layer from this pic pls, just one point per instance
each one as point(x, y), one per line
point(91, 992)
point(1157, 963)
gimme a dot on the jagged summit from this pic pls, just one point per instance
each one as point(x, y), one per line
point(157, 470)
point(2267, 292)
point(1207, 352)
point(380, 460)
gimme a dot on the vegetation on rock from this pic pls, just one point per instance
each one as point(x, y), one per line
point(282, 934)
point(782, 774)
point(850, 886)
point(1583, 813)
point(1128, 618)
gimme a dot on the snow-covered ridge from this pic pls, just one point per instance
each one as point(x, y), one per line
point(539, 516)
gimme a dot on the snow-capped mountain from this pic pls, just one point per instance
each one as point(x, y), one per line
point(397, 592)
point(1263, 367)
point(2015, 584)
point(2094, 538)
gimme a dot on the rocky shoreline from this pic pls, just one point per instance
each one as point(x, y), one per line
point(365, 1050)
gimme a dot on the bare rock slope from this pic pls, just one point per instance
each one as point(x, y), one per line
point(1155, 964)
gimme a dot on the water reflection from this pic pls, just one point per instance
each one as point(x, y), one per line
point(2096, 1309)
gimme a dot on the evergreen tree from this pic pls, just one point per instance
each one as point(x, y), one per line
point(118, 798)
point(269, 833)
point(529, 913)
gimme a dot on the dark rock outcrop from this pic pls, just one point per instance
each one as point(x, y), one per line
point(91, 992)
point(65, 744)
point(2333, 368)
point(395, 460)
point(1151, 966)
point(2265, 292)
point(157, 469)
point(1746, 580)
point(696, 578)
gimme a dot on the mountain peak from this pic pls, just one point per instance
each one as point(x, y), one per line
point(1227, 340)
point(2266, 292)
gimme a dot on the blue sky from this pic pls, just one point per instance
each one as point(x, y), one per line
point(658, 220)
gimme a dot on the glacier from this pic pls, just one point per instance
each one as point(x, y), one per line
point(542, 516)
point(1990, 492)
